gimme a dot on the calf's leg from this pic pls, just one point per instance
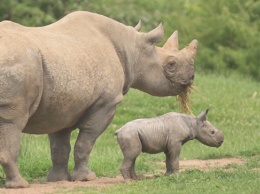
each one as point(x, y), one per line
point(132, 170)
point(131, 147)
point(172, 159)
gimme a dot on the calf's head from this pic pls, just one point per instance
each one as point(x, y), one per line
point(207, 133)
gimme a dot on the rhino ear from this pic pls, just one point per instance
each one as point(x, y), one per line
point(138, 26)
point(172, 43)
point(203, 115)
point(155, 35)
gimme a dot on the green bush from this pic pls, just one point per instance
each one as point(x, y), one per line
point(228, 31)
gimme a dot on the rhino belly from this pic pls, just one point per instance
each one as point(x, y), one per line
point(60, 107)
point(51, 119)
point(152, 145)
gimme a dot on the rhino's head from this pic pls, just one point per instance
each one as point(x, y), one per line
point(167, 71)
point(178, 65)
point(207, 133)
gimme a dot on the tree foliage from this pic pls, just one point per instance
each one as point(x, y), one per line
point(228, 31)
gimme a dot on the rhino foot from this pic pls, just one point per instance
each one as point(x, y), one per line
point(58, 175)
point(126, 174)
point(83, 175)
point(17, 182)
point(171, 172)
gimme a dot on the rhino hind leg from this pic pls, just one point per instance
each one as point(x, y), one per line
point(131, 148)
point(10, 138)
point(132, 170)
point(126, 168)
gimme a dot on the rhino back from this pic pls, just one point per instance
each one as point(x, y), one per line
point(79, 66)
point(153, 134)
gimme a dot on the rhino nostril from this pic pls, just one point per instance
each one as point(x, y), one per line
point(192, 79)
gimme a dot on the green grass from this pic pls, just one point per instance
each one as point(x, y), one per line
point(234, 103)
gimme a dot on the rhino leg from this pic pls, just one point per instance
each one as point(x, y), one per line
point(131, 147)
point(60, 150)
point(83, 147)
point(172, 159)
point(96, 120)
point(132, 170)
point(10, 138)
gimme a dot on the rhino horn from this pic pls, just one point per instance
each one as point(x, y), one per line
point(172, 43)
point(138, 26)
point(155, 35)
point(191, 49)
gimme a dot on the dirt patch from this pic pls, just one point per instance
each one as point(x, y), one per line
point(208, 165)
point(45, 188)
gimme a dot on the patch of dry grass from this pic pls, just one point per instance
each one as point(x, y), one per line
point(183, 99)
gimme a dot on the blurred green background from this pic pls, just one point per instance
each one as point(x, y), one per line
point(228, 31)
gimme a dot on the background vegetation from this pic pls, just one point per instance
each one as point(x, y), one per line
point(228, 31)
point(227, 80)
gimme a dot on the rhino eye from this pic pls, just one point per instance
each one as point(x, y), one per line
point(212, 132)
point(171, 65)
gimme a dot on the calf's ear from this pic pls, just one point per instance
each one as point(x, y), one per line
point(203, 115)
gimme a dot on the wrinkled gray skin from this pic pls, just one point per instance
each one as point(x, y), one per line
point(166, 133)
point(71, 75)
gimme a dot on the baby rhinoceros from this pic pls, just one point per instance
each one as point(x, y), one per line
point(166, 133)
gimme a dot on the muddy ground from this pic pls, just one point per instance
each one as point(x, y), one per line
point(40, 188)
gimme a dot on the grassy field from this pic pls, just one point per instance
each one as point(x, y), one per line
point(234, 103)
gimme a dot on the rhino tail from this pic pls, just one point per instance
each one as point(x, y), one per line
point(117, 131)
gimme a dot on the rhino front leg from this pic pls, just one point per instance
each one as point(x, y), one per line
point(91, 128)
point(60, 150)
point(172, 159)
point(10, 137)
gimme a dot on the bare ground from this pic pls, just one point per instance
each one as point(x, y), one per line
point(37, 188)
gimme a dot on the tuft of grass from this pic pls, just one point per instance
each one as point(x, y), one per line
point(183, 98)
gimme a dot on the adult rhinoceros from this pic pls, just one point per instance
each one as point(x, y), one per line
point(72, 74)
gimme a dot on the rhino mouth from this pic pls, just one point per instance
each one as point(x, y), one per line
point(217, 143)
point(220, 143)
point(178, 88)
